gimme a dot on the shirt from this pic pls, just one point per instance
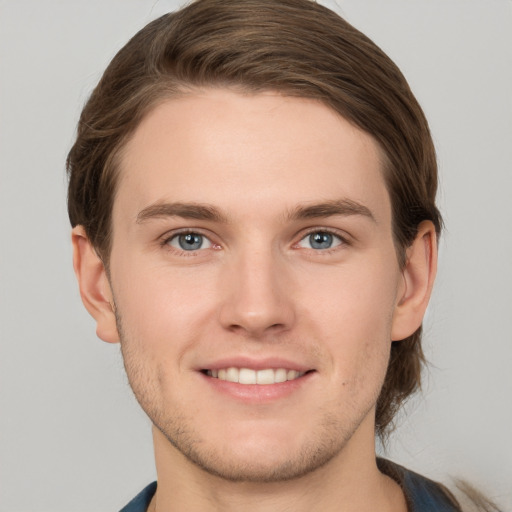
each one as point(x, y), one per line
point(421, 494)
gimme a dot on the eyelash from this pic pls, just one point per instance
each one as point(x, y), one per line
point(166, 239)
point(343, 238)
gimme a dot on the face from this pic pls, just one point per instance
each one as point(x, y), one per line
point(255, 281)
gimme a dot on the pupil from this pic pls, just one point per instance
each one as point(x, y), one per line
point(320, 240)
point(190, 241)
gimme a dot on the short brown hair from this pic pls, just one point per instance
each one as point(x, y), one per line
point(297, 48)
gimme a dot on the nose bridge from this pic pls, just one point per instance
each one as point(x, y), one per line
point(257, 298)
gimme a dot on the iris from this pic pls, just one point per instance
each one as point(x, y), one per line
point(321, 240)
point(190, 241)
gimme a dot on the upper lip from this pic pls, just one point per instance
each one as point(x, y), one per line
point(255, 363)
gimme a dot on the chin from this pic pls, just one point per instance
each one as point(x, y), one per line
point(264, 468)
point(260, 458)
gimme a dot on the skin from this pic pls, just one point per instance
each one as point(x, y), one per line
point(259, 293)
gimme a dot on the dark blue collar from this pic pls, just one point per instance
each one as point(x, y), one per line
point(421, 494)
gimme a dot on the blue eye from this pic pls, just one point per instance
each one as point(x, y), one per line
point(320, 240)
point(189, 242)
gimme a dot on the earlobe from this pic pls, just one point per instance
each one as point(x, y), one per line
point(94, 285)
point(418, 277)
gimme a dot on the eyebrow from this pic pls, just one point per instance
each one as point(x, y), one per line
point(198, 211)
point(344, 207)
point(194, 211)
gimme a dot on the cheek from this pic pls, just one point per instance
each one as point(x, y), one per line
point(162, 307)
point(353, 310)
point(358, 296)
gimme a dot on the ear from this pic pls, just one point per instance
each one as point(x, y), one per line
point(94, 285)
point(417, 280)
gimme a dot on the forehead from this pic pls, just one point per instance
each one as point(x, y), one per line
point(242, 152)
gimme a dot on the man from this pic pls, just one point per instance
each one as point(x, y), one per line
point(252, 194)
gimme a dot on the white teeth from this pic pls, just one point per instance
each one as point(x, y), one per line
point(292, 374)
point(265, 376)
point(248, 376)
point(280, 375)
point(232, 375)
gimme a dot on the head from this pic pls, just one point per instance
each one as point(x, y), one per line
point(293, 48)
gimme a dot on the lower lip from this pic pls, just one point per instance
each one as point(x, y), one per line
point(257, 393)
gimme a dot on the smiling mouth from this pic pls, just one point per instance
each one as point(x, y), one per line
point(248, 376)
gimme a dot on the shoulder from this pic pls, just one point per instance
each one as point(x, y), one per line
point(141, 502)
point(421, 493)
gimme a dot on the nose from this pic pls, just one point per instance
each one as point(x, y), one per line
point(258, 296)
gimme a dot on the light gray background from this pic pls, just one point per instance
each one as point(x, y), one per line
point(72, 437)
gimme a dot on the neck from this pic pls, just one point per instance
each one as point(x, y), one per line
point(349, 482)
